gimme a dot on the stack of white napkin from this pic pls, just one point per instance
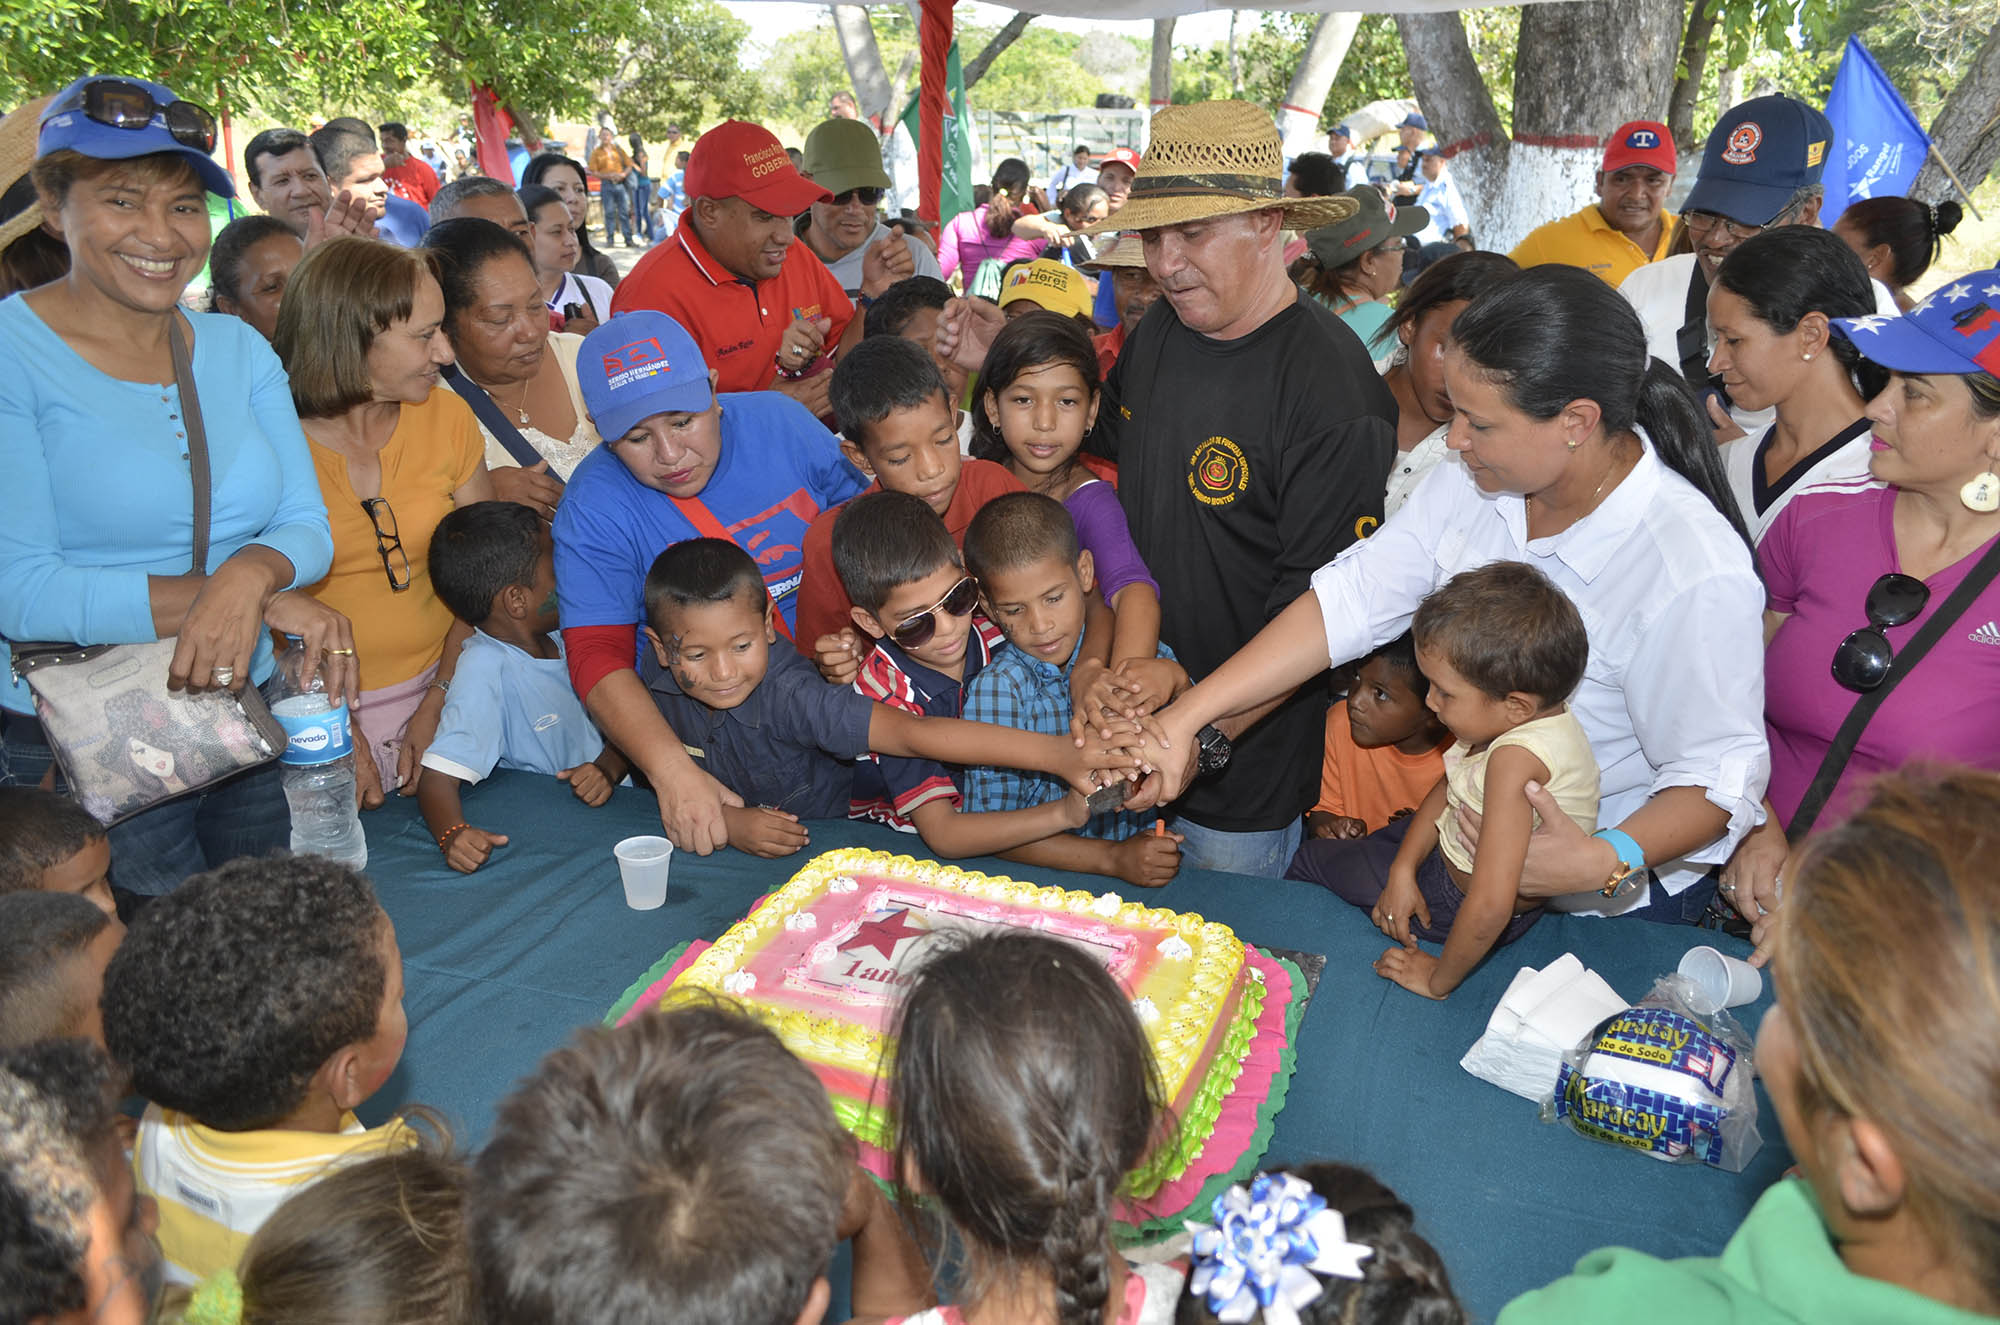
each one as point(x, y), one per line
point(1542, 1016)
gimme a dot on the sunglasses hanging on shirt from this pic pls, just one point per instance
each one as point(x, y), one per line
point(1862, 661)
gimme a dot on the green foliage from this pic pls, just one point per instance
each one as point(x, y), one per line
point(293, 58)
point(1038, 72)
point(805, 67)
point(1375, 67)
point(685, 68)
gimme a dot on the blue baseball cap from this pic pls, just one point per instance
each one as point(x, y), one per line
point(1758, 155)
point(1955, 330)
point(1415, 120)
point(1343, 129)
point(64, 125)
point(637, 365)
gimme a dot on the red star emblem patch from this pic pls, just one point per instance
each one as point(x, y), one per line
point(883, 935)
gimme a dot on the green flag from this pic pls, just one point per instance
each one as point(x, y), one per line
point(955, 183)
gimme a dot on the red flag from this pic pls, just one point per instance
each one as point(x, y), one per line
point(491, 124)
point(934, 43)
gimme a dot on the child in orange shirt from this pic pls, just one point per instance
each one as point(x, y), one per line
point(1384, 747)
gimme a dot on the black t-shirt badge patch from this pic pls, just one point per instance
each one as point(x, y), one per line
point(1218, 473)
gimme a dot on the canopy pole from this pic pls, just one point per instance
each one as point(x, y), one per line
point(934, 41)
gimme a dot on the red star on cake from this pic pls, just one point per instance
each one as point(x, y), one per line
point(883, 935)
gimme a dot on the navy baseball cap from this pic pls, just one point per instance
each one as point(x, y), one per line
point(1758, 155)
point(637, 365)
point(65, 125)
point(1955, 330)
point(1415, 120)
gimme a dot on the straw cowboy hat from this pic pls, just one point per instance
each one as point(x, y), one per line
point(1118, 251)
point(17, 153)
point(1215, 158)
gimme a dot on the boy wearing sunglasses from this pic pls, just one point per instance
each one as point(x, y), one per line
point(864, 255)
point(899, 427)
point(761, 721)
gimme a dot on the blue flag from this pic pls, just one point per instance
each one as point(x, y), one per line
point(1879, 146)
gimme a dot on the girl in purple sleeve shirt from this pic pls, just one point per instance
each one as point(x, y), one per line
point(1038, 397)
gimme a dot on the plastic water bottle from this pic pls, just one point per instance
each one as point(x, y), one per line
point(317, 767)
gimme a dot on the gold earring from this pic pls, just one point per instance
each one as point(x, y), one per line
point(1574, 444)
point(1982, 494)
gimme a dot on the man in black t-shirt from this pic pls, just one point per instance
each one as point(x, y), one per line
point(1253, 439)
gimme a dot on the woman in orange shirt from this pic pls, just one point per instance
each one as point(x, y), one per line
point(361, 333)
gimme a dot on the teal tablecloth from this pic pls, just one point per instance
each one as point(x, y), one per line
point(502, 965)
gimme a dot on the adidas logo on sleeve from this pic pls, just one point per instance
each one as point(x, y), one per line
point(1986, 634)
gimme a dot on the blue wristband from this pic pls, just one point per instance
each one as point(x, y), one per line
point(1630, 853)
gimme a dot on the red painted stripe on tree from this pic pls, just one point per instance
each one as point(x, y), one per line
point(1450, 150)
point(1299, 110)
point(1559, 140)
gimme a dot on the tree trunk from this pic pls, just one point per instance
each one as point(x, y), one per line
point(1460, 109)
point(1581, 69)
point(1728, 88)
point(1319, 64)
point(1694, 60)
point(1967, 130)
point(1235, 59)
point(1162, 79)
point(1001, 41)
point(864, 60)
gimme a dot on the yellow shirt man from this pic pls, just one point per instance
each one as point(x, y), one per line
point(1632, 186)
point(610, 160)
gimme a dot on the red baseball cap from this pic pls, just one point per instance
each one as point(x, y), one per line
point(1122, 156)
point(736, 159)
point(1641, 143)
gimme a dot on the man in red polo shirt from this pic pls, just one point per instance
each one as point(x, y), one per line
point(764, 309)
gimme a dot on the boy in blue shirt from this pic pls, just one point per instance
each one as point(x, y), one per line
point(761, 722)
point(1034, 579)
point(510, 704)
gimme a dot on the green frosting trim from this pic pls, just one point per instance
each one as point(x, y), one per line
point(1168, 1223)
point(654, 974)
point(1171, 1158)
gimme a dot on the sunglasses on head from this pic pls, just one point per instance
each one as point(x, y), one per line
point(123, 104)
point(1862, 660)
point(869, 196)
point(916, 631)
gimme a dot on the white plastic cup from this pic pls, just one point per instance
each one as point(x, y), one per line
point(643, 863)
point(1724, 981)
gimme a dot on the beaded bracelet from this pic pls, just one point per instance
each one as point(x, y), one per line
point(444, 838)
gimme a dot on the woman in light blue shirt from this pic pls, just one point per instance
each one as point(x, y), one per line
point(97, 505)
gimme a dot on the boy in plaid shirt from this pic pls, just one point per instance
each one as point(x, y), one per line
point(1035, 581)
point(911, 595)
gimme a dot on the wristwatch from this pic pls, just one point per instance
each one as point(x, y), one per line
point(1631, 870)
point(1214, 750)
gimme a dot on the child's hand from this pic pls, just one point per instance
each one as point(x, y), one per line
point(1319, 823)
point(1149, 859)
point(1147, 684)
point(469, 847)
point(838, 656)
point(1094, 697)
point(1398, 903)
point(1102, 761)
point(1411, 967)
point(765, 832)
point(589, 784)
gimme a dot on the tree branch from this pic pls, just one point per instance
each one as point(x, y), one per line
point(1001, 41)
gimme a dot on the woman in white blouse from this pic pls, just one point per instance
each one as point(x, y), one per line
point(521, 375)
point(1591, 461)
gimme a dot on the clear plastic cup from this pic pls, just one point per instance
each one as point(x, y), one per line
point(643, 863)
point(1724, 981)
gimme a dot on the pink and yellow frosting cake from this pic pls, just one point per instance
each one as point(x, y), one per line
point(823, 959)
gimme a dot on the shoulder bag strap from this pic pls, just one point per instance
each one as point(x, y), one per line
point(1692, 339)
point(490, 414)
point(197, 439)
point(696, 512)
point(1906, 660)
